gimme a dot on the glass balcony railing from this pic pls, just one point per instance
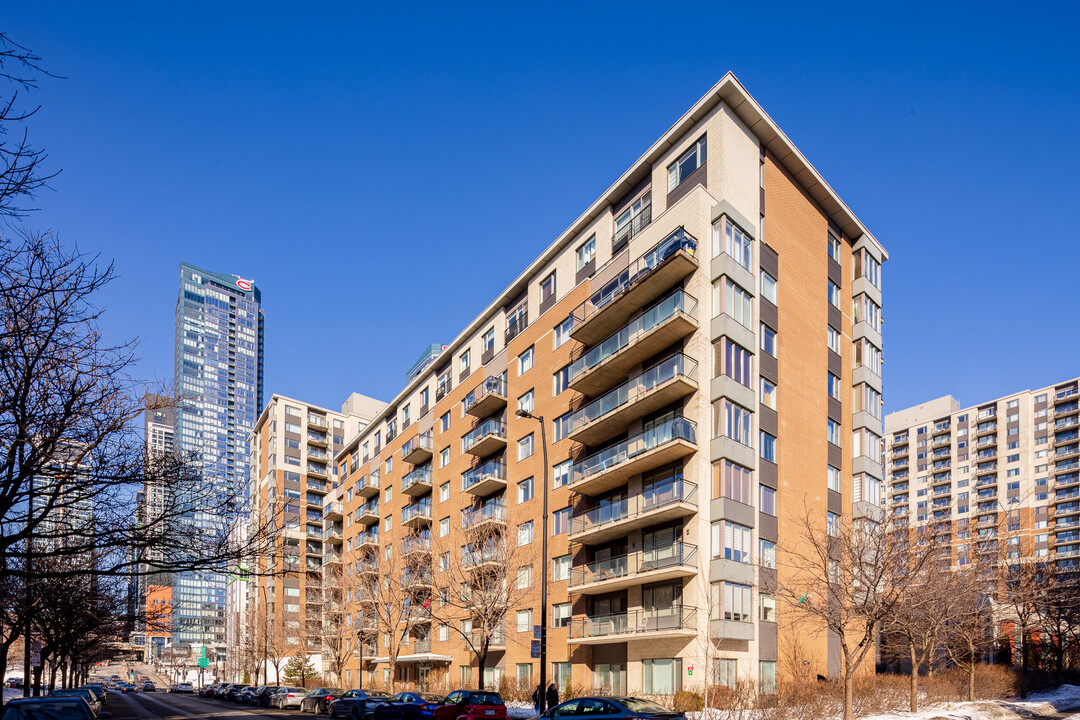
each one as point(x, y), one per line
point(368, 481)
point(1066, 393)
point(494, 385)
point(368, 537)
point(491, 470)
point(678, 428)
point(676, 366)
point(636, 622)
point(490, 426)
point(316, 421)
point(670, 492)
point(490, 511)
point(420, 510)
point(497, 639)
point(416, 577)
point(674, 304)
point(420, 442)
point(637, 271)
point(417, 543)
point(624, 566)
point(420, 475)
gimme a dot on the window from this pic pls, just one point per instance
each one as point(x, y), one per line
point(767, 553)
point(768, 446)
point(731, 541)
point(737, 483)
point(834, 294)
point(487, 343)
point(768, 339)
point(525, 490)
point(768, 287)
point(868, 400)
point(444, 527)
point(444, 422)
point(444, 632)
point(733, 301)
point(562, 331)
point(767, 607)
point(834, 432)
point(867, 355)
point(730, 239)
point(560, 615)
point(834, 247)
point(525, 447)
point(586, 252)
point(661, 676)
point(444, 457)
point(834, 387)
point(524, 577)
point(560, 567)
point(388, 523)
point(768, 393)
point(547, 288)
point(389, 491)
point(834, 478)
point(687, 163)
point(561, 380)
point(867, 311)
point(832, 524)
point(834, 340)
point(424, 397)
point(561, 474)
point(525, 533)
point(524, 621)
point(389, 465)
point(731, 421)
point(768, 500)
point(523, 674)
point(631, 221)
point(867, 266)
point(767, 676)
point(735, 601)
point(736, 363)
point(525, 360)
point(444, 492)
point(525, 402)
point(560, 427)
point(463, 361)
point(560, 521)
point(724, 673)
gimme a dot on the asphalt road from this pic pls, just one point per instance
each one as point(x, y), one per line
point(174, 705)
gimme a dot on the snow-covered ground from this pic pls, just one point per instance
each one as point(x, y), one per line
point(519, 711)
point(12, 693)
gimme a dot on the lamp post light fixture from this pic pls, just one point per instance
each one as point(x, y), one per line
point(544, 562)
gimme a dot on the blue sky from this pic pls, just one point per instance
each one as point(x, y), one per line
point(320, 148)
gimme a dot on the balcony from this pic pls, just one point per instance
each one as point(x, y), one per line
point(418, 449)
point(368, 513)
point(1068, 409)
point(319, 454)
point(1066, 393)
point(368, 540)
point(316, 421)
point(420, 647)
point(317, 470)
point(488, 398)
point(648, 277)
point(333, 535)
point(485, 439)
point(368, 486)
point(417, 545)
point(517, 322)
point(679, 621)
point(319, 439)
point(1066, 451)
point(419, 615)
point(497, 641)
point(1067, 480)
point(318, 486)
point(418, 482)
point(486, 516)
point(666, 322)
point(486, 479)
point(416, 579)
point(941, 440)
point(676, 561)
point(1066, 437)
point(417, 515)
point(368, 567)
point(313, 531)
point(656, 387)
point(331, 559)
point(647, 450)
point(662, 502)
point(332, 511)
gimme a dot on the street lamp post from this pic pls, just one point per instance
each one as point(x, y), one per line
point(360, 650)
point(544, 562)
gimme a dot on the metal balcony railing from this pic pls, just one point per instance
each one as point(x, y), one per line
point(493, 385)
point(636, 622)
point(653, 498)
point(623, 566)
point(678, 428)
point(475, 516)
point(491, 426)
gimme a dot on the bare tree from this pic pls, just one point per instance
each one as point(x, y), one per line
point(1024, 591)
point(388, 589)
point(483, 571)
point(849, 577)
point(968, 629)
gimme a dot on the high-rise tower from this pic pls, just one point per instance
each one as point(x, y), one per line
point(219, 378)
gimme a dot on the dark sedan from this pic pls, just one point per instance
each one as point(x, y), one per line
point(262, 695)
point(32, 708)
point(357, 704)
point(612, 708)
point(319, 699)
point(208, 691)
point(408, 706)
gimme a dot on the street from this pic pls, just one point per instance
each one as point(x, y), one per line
point(172, 705)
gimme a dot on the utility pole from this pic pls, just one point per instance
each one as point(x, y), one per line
point(544, 563)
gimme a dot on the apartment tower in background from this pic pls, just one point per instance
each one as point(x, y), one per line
point(703, 345)
point(219, 378)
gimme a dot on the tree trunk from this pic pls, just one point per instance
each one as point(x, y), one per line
point(483, 664)
point(1021, 645)
point(971, 672)
point(849, 690)
point(914, 685)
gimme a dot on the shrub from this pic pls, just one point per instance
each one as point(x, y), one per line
point(686, 701)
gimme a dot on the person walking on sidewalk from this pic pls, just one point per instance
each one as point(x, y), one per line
point(536, 699)
point(552, 696)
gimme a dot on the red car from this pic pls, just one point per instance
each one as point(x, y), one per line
point(470, 705)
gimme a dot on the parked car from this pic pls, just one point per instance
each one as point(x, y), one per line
point(262, 697)
point(208, 691)
point(319, 699)
point(35, 708)
point(357, 704)
point(99, 692)
point(85, 693)
point(184, 687)
point(287, 697)
point(408, 706)
point(470, 705)
point(613, 708)
point(248, 694)
point(233, 695)
point(223, 688)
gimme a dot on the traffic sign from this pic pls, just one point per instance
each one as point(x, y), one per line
point(204, 662)
point(535, 649)
point(536, 632)
point(35, 659)
point(203, 653)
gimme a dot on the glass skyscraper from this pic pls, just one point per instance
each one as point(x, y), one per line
point(219, 377)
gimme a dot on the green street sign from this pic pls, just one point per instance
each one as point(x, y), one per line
point(204, 662)
point(203, 653)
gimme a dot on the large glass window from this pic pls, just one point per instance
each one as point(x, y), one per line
point(732, 421)
point(767, 678)
point(768, 287)
point(735, 363)
point(731, 541)
point(730, 299)
point(687, 163)
point(586, 252)
point(867, 311)
point(768, 446)
point(768, 339)
point(768, 393)
point(661, 676)
point(737, 483)
point(867, 266)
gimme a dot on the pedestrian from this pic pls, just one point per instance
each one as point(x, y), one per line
point(536, 699)
point(552, 696)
